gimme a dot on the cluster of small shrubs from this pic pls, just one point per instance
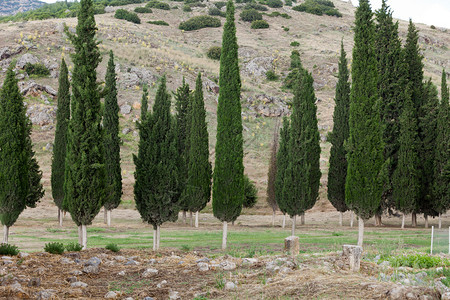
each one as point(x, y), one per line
point(124, 2)
point(278, 14)
point(259, 24)
point(256, 6)
point(199, 22)
point(158, 5)
point(244, 1)
point(250, 15)
point(318, 7)
point(8, 249)
point(288, 2)
point(187, 8)
point(54, 248)
point(214, 11)
point(197, 4)
point(159, 22)
point(220, 4)
point(285, 28)
point(72, 247)
point(295, 44)
point(143, 10)
point(214, 52)
point(274, 3)
point(36, 69)
point(271, 75)
point(420, 261)
point(127, 15)
point(112, 247)
point(250, 193)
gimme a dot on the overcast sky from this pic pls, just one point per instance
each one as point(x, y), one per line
point(431, 12)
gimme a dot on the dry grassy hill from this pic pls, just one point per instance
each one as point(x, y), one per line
point(145, 52)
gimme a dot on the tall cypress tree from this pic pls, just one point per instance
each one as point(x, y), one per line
point(338, 161)
point(60, 143)
point(198, 187)
point(112, 141)
point(391, 87)
point(282, 163)
point(144, 103)
point(363, 186)
point(156, 189)
point(272, 174)
point(442, 159)
point(228, 186)
point(84, 186)
point(19, 172)
point(302, 175)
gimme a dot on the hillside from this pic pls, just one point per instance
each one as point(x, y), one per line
point(11, 7)
point(145, 52)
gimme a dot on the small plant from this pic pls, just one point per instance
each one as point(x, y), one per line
point(143, 10)
point(286, 29)
point(220, 4)
point(187, 8)
point(158, 5)
point(250, 15)
point(318, 7)
point(278, 14)
point(36, 69)
point(199, 22)
point(256, 6)
point(185, 248)
point(288, 2)
point(275, 3)
point(8, 249)
point(433, 27)
point(73, 247)
point(54, 248)
point(337, 234)
point(214, 11)
point(123, 14)
point(295, 44)
point(160, 22)
point(271, 75)
point(259, 24)
point(214, 52)
point(219, 282)
point(112, 247)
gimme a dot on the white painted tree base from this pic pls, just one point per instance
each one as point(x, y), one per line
point(224, 235)
point(5, 234)
point(360, 232)
point(293, 226)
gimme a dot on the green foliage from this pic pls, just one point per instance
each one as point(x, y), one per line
point(127, 15)
point(295, 44)
point(250, 15)
point(120, 2)
point(286, 29)
point(214, 11)
point(199, 22)
point(250, 193)
point(259, 24)
point(272, 173)
point(257, 6)
point(54, 248)
point(214, 52)
point(158, 5)
point(112, 247)
point(8, 249)
point(220, 4)
point(228, 179)
point(278, 14)
point(187, 8)
point(143, 10)
point(338, 162)
point(271, 75)
point(281, 165)
point(219, 281)
point(73, 247)
point(419, 261)
point(288, 2)
point(36, 69)
point(296, 66)
point(158, 22)
point(318, 7)
point(274, 3)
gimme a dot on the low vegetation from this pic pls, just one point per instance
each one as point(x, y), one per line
point(199, 22)
point(256, 6)
point(278, 14)
point(214, 52)
point(250, 15)
point(54, 248)
point(123, 14)
point(73, 247)
point(260, 24)
point(271, 75)
point(419, 261)
point(158, 5)
point(214, 11)
point(38, 70)
point(8, 249)
point(318, 7)
point(112, 247)
point(159, 22)
point(143, 10)
point(274, 3)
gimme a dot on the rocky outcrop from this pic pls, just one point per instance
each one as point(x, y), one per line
point(267, 106)
point(12, 7)
point(259, 66)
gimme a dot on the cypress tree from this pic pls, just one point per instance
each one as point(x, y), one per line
point(228, 186)
point(272, 174)
point(296, 67)
point(84, 186)
point(338, 161)
point(250, 193)
point(391, 87)
point(282, 163)
point(144, 103)
point(442, 159)
point(112, 141)
point(302, 175)
point(60, 143)
point(363, 186)
point(199, 173)
point(156, 189)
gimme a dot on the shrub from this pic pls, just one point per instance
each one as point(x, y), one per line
point(8, 249)
point(158, 5)
point(278, 14)
point(160, 22)
point(421, 261)
point(220, 4)
point(244, 1)
point(318, 7)
point(123, 2)
point(271, 75)
point(275, 3)
point(197, 4)
point(250, 193)
point(36, 69)
point(126, 15)
point(112, 247)
point(295, 44)
point(288, 2)
point(199, 22)
point(250, 15)
point(286, 29)
point(214, 11)
point(256, 6)
point(214, 52)
point(187, 8)
point(260, 24)
point(433, 27)
point(143, 10)
point(54, 248)
point(73, 247)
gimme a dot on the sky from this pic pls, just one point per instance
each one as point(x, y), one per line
point(431, 12)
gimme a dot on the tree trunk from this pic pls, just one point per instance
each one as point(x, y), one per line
point(426, 220)
point(403, 221)
point(196, 219)
point(80, 236)
point(378, 220)
point(190, 214)
point(5, 234)
point(413, 219)
point(293, 225)
point(302, 219)
point(360, 232)
point(224, 235)
point(283, 225)
point(84, 236)
point(273, 218)
point(352, 216)
point(108, 217)
point(232, 223)
point(440, 221)
point(154, 239)
point(158, 237)
point(60, 217)
point(184, 216)
point(340, 218)
point(105, 215)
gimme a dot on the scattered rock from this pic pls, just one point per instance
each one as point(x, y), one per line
point(161, 284)
point(71, 279)
point(120, 258)
point(23, 255)
point(445, 296)
point(93, 261)
point(31, 87)
point(64, 260)
point(210, 85)
point(78, 284)
point(149, 273)
point(125, 109)
point(228, 265)
point(26, 58)
point(149, 298)
point(76, 272)
point(173, 295)
point(230, 286)
point(249, 261)
point(203, 267)
point(45, 294)
point(128, 80)
point(204, 259)
point(111, 295)
point(121, 273)
point(35, 281)
point(91, 269)
point(397, 293)
point(259, 66)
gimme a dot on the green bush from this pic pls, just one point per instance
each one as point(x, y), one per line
point(271, 75)
point(278, 14)
point(73, 247)
point(36, 69)
point(250, 193)
point(160, 22)
point(250, 15)
point(244, 1)
point(256, 6)
point(214, 52)
point(128, 16)
point(187, 8)
point(433, 27)
point(143, 10)
point(158, 5)
point(295, 44)
point(260, 24)
point(122, 2)
point(199, 22)
point(197, 4)
point(286, 29)
point(54, 248)
point(318, 7)
point(275, 3)
point(8, 249)
point(112, 247)
point(220, 4)
point(288, 2)
point(213, 11)
point(420, 261)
